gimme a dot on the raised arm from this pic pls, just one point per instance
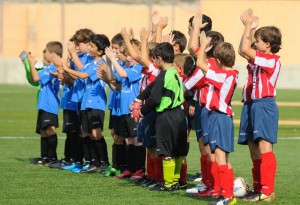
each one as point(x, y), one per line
point(201, 60)
point(163, 22)
point(194, 39)
point(247, 18)
point(128, 36)
point(112, 56)
point(144, 35)
point(154, 19)
point(34, 77)
point(73, 53)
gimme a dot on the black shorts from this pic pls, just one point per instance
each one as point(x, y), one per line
point(45, 120)
point(91, 119)
point(125, 126)
point(70, 121)
point(111, 120)
point(171, 133)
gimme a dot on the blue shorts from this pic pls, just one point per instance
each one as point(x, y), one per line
point(246, 132)
point(146, 130)
point(220, 132)
point(264, 118)
point(204, 124)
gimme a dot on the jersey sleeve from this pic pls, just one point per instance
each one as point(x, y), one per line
point(134, 73)
point(267, 62)
point(45, 75)
point(197, 80)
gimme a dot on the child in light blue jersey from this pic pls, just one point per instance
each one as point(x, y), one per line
point(93, 107)
point(125, 127)
point(48, 101)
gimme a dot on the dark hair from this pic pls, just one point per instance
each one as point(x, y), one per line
point(225, 53)
point(270, 34)
point(118, 39)
point(187, 62)
point(101, 41)
point(55, 47)
point(216, 38)
point(204, 20)
point(165, 51)
point(82, 36)
point(180, 39)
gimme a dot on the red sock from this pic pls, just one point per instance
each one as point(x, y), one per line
point(183, 170)
point(224, 179)
point(150, 167)
point(203, 163)
point(159, 174)
point(209, 182)
point(230, 181)
point(268, 170)
point(215, 177)
point(256, 175)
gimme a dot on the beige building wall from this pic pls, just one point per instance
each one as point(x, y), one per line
point(30, 26)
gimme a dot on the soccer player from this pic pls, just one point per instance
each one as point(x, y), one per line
point(166, 98)
point(264, 110)
point(220, 126)
point(48, 101)
point(94, 105)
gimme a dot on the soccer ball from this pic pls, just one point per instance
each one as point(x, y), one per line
point(240, 187)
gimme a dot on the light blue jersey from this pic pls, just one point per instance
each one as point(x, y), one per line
point(78, 87)
point(49, 93)
point(129, 90)
point(94, 94)
point(66, 96)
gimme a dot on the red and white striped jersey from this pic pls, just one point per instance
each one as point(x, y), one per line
point(199, 82)
point(247, 89)
point(221, 89)
point(149, 75)
point(265, 75)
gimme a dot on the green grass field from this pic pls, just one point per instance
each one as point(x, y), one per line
point(21, 183)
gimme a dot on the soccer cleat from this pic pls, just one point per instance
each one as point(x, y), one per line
point(196, 178)
point(36, 161)
point(223, 201)
point(197, 189)
point(148, 182)
point(104, 166)
point(71, 166)
point(161, 187)
point(60, 163)
point(81, 168)
point(91, 169)
point(141, 180)
point(206, 193)
point(259, 197)
point(153, 184)
point(139, 174)
point(124, 174)
point(182, 185)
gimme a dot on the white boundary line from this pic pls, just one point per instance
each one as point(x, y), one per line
point(109, 138)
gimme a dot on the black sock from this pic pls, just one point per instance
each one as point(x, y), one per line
point(104, 154)
point(94, 153)
point(86, 148)
point(121, 161)
point(69, 146)
point(114, 156)
point(130, 157)
point(52, 146)
point(140, 156)
point(78, 155)
point(44, 147)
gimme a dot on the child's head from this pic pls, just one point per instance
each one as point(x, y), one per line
point(52, 47)
point(151, 47)
point(184, 63)
point(224, 54)
point(268, 36)
point(81, 39)
point(205, 19)
point(180, 41)
point(97, 45)
point(216, 38)
point(163, 53)
point(129, 60)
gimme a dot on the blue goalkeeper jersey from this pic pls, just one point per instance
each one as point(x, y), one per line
point(94, 94)
point(49, 92)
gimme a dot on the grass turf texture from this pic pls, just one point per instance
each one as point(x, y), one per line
point(21, 183)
